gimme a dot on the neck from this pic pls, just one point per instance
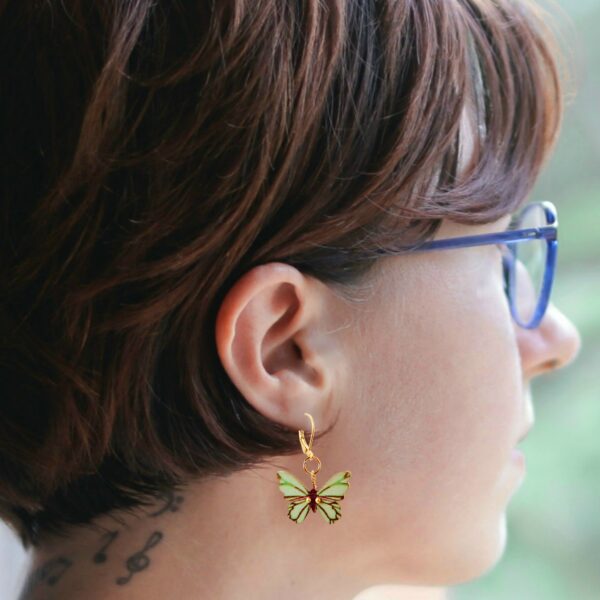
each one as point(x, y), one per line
point(217, 539)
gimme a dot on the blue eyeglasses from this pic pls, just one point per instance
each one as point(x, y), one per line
point(529, 251)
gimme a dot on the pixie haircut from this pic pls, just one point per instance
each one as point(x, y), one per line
point(155, 150)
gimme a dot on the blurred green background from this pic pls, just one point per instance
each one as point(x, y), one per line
point(553, 520)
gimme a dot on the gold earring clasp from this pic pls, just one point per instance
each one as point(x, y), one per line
point(307, 449)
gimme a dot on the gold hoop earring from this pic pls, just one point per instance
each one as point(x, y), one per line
point(301, 499)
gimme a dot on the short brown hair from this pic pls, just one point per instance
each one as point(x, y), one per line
point(154, 151)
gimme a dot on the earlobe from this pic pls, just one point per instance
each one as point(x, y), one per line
point(270, 343)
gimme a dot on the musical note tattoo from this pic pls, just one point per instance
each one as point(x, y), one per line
point(50, 573)
point(54, 569)
point(100, 556)
point(171, 503)
point(139, 561)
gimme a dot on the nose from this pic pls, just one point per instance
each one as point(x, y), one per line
point(555, 343)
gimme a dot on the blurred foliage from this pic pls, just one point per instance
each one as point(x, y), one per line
point(553, 520)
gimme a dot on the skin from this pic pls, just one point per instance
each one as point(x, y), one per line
point(429, 378)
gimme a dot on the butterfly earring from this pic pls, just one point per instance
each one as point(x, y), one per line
point(326, 499)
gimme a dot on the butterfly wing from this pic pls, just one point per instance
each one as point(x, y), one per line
point(330, 510)
point(290, 486)
point(297, 510)
point(336, 486)
point(297, 493)
point(329, 495)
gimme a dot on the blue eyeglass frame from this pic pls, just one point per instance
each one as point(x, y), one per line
point(514, 236)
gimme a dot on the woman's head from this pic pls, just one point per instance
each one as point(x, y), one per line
point(194, 196)
point(428, 382)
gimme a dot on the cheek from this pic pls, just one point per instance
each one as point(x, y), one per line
point(441, 406)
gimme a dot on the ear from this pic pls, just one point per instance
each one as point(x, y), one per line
point(272, 341)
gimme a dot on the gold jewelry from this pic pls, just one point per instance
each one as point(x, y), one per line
point(301, 499)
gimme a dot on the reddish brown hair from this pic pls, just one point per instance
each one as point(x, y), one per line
point(153, 151)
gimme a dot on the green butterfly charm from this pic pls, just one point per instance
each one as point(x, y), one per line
point(325, 500)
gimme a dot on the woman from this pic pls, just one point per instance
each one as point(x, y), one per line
point(215, 218)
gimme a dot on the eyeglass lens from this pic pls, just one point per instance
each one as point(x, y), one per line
point(524, 282)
